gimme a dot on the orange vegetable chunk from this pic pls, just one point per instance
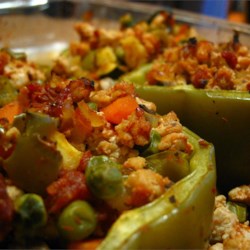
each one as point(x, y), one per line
point(120, 109)
point(10, 110)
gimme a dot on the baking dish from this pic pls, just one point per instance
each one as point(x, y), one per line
point(219, 117)
point(39, 30)
point(44, 33)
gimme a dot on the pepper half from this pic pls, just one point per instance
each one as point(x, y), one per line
point(222, 117)
point(180, 218)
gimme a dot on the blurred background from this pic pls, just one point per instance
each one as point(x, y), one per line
point(233, 10)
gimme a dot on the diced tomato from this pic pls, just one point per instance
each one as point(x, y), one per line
point(230, 58)
point(71, 186)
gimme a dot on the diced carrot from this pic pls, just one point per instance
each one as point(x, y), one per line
point(10, 110)
point(120, 109)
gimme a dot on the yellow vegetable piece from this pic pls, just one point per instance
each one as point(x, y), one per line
point(70, 155)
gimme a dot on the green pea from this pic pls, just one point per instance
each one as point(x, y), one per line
point(31, 211)
point(77, 221)
point(103, 177)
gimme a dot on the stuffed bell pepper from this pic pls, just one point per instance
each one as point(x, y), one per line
point(206, 83)
point(87, 168)
point(208, 87)
point(232, 207)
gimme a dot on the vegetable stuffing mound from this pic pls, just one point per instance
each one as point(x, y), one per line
point(69, 148)
point(159, 51)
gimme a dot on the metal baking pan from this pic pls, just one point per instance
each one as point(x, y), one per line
point(43, 31)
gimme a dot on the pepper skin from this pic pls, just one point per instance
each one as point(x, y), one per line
point(221, 117)
point(180, 218)
point(7, 92)
point(137, 76)
point(35, 161)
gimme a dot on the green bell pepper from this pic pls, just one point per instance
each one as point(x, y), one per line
point(35, 161)
point(169, 163)
point(186, 206)
point(7, 92)
point(222, 117)
point(137, 76)
point(239, 209)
